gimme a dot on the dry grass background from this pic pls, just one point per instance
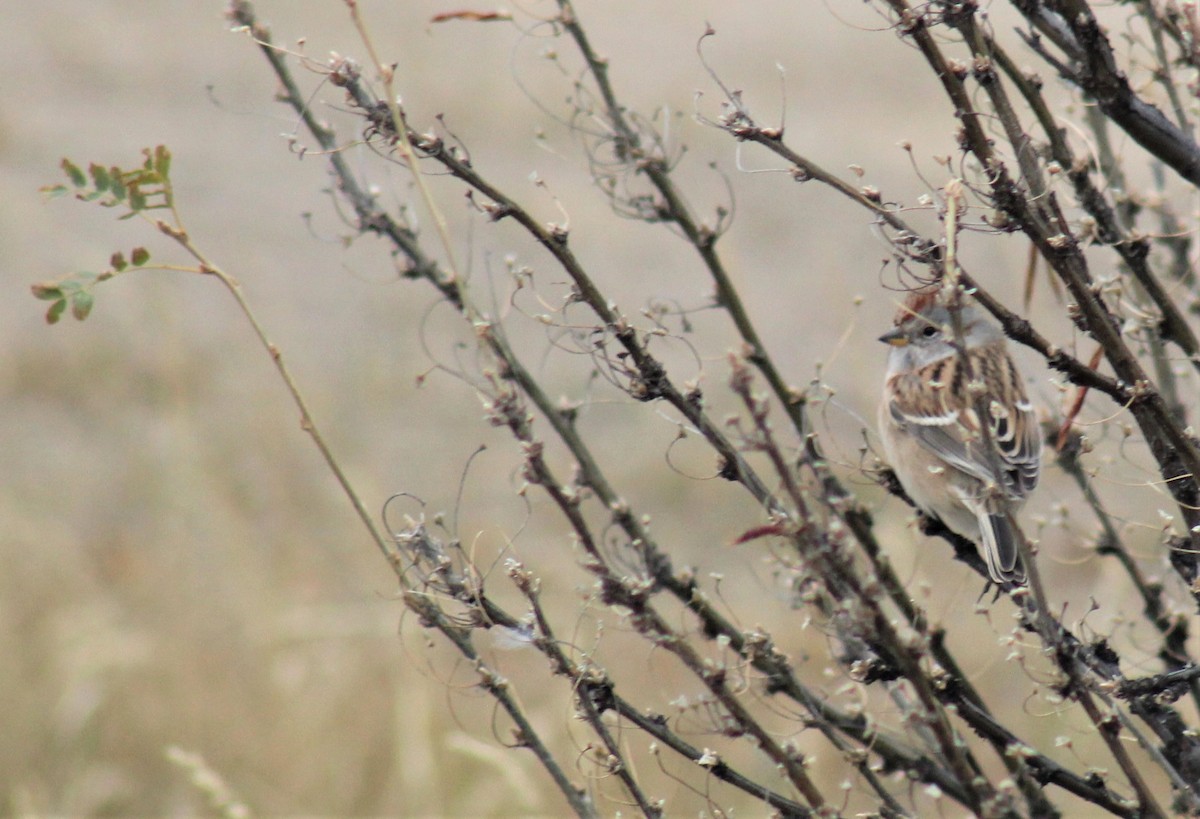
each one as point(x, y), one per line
point(180, 569)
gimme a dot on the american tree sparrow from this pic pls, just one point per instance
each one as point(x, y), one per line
point(931, 431)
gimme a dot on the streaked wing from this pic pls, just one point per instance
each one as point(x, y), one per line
point(940, 421)
point(1019, 442)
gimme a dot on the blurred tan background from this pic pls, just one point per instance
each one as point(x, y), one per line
point(181, 570)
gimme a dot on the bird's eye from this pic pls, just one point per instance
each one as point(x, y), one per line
point(929, 331)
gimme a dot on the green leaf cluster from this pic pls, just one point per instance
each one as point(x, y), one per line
point(76, 290)
point(137, 190)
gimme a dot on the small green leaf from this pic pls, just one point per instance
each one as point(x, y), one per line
point(162, 161)
point(55, 312)
point(54, 191)
point(117, 189)
point(100, 178)
point(139, 256)
point(137, 199)
point(46, 292)
point(76, 176)
point(81, 304)
point(141, 176)
point(118, 261)
point(68, 288)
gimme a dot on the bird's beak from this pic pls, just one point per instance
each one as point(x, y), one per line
point(896, 338)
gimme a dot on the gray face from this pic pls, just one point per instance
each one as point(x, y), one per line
point(927, 338)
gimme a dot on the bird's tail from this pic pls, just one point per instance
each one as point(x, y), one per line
point(1000, 548)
